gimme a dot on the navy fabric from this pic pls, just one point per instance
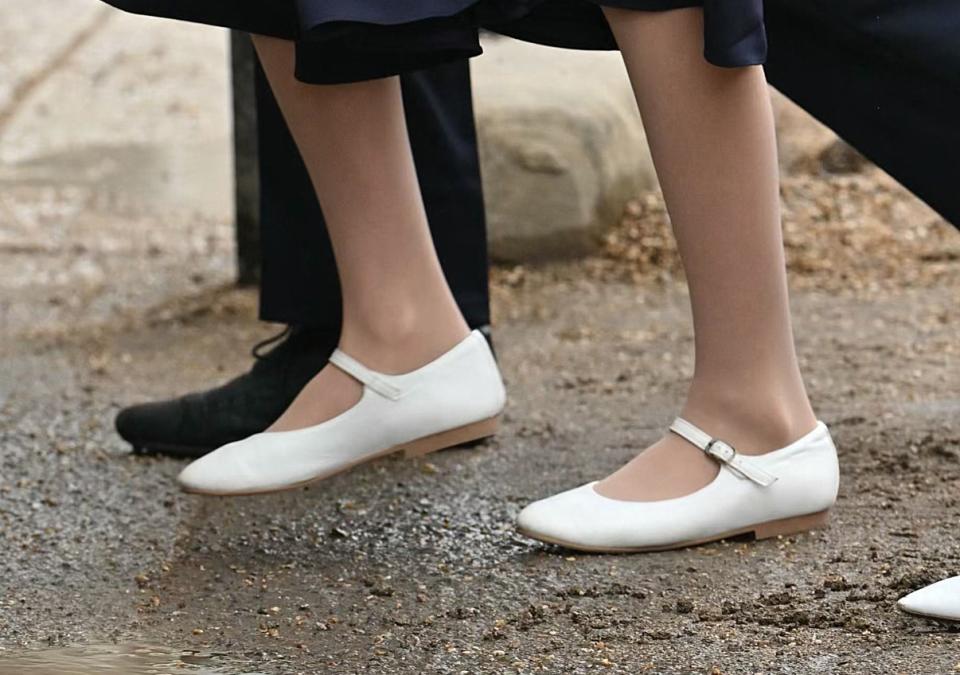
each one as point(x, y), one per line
point(351, 40)
point(884, 75)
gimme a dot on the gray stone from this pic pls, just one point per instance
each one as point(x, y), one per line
point(562, 147)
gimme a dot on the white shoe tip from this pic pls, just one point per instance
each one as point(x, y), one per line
point(940, 600)
point(560, 517)
point(191, 478)
point(533, 518)
point(524, 519)
point(907, 603)
point(186, 480)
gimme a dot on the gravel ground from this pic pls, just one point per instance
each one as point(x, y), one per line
point(414, 566)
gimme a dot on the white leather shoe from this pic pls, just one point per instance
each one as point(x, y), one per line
point(937, 601)
point(782, 492)
point(454, 399)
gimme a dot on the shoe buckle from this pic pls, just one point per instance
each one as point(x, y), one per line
point(721, 450)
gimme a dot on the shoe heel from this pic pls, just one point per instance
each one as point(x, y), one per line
point(787, 526)
point(451, 438)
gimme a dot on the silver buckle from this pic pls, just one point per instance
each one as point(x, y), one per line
point(721, 450)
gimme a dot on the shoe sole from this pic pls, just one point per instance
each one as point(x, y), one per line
point(168, 450)
point(773, 528)
point(469, 433)
point(932, 617)
point(147, 448)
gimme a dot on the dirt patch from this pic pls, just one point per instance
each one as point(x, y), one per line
point(410, 567)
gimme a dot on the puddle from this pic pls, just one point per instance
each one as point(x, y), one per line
point(119, 659)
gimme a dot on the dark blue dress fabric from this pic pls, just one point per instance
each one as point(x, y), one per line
point(351, 40)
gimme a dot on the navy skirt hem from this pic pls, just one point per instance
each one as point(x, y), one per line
point(351, 40)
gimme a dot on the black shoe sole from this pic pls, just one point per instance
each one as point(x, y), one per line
point(168, 450)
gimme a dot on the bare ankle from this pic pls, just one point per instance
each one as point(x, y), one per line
point(406, 339)
point(754, 420)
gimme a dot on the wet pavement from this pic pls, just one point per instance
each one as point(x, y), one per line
point(114, 288)
point(105, 659)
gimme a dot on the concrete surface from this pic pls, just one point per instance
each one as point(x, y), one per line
point(118, 120)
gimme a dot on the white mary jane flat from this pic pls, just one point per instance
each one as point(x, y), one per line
point(937, 601)
point(782, 492)
point(454, 399)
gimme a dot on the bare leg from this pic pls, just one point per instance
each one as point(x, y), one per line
point(398, 312)
point(711, 133)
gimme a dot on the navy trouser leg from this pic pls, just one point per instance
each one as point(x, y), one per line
point(299, 282)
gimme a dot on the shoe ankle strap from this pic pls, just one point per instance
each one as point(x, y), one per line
point(376, 381)
point(722, 452)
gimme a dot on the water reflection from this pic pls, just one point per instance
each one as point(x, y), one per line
point(119, 659)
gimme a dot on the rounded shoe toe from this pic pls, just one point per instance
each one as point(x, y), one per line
point(536, 519)
point(559, 519)
point(197, 477)
point(244, 467)
point(212, 474)
point(940, 600)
